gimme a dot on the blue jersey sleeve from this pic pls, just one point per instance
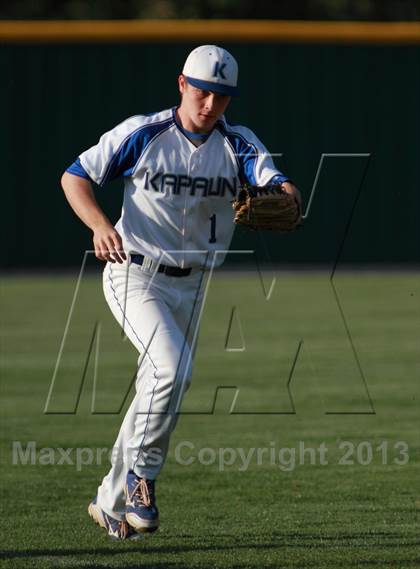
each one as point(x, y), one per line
point(77, 169)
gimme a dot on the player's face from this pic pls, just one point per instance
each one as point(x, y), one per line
point(200, 109)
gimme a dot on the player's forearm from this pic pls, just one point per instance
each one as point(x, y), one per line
point(106, 240)
point(80, 195)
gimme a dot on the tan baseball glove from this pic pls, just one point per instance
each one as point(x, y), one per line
point(267, 207)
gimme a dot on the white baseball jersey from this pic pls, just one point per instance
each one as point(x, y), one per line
point(177, 199)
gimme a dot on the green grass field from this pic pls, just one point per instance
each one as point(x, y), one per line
point(316, 364)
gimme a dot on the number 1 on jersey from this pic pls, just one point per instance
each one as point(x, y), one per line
point(212, 228)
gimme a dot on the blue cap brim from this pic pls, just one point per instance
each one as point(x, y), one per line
point(214, 87)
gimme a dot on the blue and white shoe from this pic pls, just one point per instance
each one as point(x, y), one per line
point(141, 511)
point(118, 531)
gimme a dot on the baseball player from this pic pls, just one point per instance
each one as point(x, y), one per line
point(182, 168)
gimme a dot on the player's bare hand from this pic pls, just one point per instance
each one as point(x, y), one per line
point(290, 188)
point(108, 244)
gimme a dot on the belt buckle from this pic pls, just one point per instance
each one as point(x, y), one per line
point(148, 264)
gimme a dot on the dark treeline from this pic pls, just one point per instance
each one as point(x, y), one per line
point(381, 10)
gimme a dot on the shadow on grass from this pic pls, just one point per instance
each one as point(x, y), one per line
point(279, 541)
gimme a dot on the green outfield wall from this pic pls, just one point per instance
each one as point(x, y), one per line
point(303, 99)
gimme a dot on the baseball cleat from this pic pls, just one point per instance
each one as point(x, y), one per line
point(141, 511)
point(118, 531)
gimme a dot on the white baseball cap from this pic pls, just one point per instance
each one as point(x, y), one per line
point(212, 68)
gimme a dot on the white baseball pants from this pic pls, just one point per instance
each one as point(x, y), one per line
point(160, 315)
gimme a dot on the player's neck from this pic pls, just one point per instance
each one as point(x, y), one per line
point(184, 120)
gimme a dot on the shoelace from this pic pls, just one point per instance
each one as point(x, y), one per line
point(123, 530)
point(142, 492)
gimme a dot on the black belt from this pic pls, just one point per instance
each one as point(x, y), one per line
point(170, 271)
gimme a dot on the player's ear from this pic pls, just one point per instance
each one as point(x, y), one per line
point(181, 84)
